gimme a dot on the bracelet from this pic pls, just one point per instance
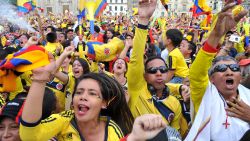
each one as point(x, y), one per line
point(38, 80)
point(209, 48)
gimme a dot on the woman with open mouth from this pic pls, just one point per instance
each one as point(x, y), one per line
point(119, 70)
point(64, 82)
point(100, 111)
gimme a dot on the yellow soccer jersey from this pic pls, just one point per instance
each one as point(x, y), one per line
point(26, 78)
point(51, 47)
point(140, 101)
point(60, 90)
point(70, 90)
point(199, 76)
point(177, 62)
point(19, 88)
point(64, 127)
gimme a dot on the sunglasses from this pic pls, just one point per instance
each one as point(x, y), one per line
point(154, 70)
point(223, 68)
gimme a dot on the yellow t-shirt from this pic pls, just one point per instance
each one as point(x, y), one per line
point(246, 27)
point(240, 46)
point(64, 25)
point(64, 127)
point(51, 47)
point(177, 63)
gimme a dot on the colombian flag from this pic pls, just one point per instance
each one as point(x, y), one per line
point(24, 60)
point(25, 6)
point(104, 52)
point(200, 8)
point(100, 6)
point(91, 9)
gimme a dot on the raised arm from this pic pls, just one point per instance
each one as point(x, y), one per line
point(69, 51)
point(32, 111)
point(199, 70)
point(128, 45)
point(136, 65)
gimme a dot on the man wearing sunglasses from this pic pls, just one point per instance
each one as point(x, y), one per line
point(146, 81)
point(214, 90)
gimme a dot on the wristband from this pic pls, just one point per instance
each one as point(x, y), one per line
point(39, 81)
point(209, 48)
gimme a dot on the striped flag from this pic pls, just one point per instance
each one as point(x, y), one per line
point(25, 6)
point(200, 8)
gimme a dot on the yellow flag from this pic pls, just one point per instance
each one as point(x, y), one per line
point(90, 6)
point(203, 5)
point(81, 4)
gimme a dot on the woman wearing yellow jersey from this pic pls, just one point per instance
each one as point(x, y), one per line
point(96, 99)
point(120, 68)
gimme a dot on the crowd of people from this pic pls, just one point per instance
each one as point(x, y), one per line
point(130, 80)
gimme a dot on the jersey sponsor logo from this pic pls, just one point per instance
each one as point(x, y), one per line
point(170, 117)
point(59, 86)
point(49, 119)
point(67, 114)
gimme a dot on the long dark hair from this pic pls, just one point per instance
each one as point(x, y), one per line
point(113, 93)
point(84, 64)
point(105, 38)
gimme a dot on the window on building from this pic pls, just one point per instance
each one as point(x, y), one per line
point(110, 8)
point(110, 1)
point(121, 8)
point(115, 1)
point(121, 1)
point(184, 7)
point(65, 7)
point(49, 10)
point(115, 8)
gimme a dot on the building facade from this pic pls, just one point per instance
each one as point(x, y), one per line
point(183, 6)
point(58, 6)
point(180, 6)
point(117, 6)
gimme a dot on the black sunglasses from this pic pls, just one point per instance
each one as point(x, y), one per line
point(154, 70)
point(223, 68)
